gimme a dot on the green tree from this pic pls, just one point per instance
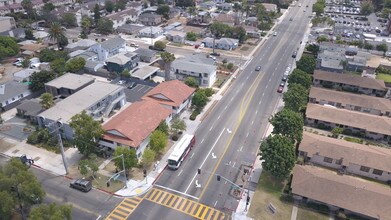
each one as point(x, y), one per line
point(158, 141)
point(87, 165)
point(230, 66)
point(322, 38)
point(97, 15)
point(48, 7)
point(300, 77)
point(191, 81)
point(318, 8)
point(28, 7)
point(109, 6)
point(382, 47)
point(75, 65)
point(163, 127)
point(51, 211)
point(69, 20)
point(120, 5)
point(58, 66)
point(178, 125)
point(337, 131)
point(125, 73)
point(313, 48)
point(15, 178)
point(296, 97)
point(130, 158)
point(159, 45)
point(191, 36)
point(57, 34)
point(46, 100)
point(148, 157)
point(218, 30)
point(86, 23)
point(167, 58)
point(366, 8)
point(29, 34)
point(8, 47)
point(87, 133)
point(278, 153)
point(163, 10)
point(48, 55)
point(199, 99)
point(307, 63)
point(105, 26)
point(7, 202)
point(38, 79)
point(288, 123)
point(26, 63)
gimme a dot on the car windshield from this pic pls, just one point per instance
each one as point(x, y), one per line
point(172, 162)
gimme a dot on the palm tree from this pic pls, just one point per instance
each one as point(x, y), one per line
point(167, 58)
point(46, 100)
point(56, 33)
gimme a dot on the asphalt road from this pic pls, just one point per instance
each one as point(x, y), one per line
point(229, 137)
point(87, 206)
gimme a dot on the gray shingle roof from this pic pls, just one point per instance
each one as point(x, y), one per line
point(113, 43)
point(145, 52)
point(11, 89)
point(193, 65)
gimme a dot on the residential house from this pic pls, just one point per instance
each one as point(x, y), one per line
point(146, 55)
point(151, 32)
point(207, 5)
point(174, 95)
point(252, 21)
point(32, 49)
point(122, 61)
point(17, 33)
point(202, 17)
point(121, 17)
point(131, 29)
point(219, 1)
point(11, 93)
point(355, 123)
point(68, 84)
point(330, 61)
point(98, 100)
point(145, 72)
point(132, 127)
point(82, 44)
point(350, 83)
point(225, 6)
point(7, 24)
point(252, 31)
point(150, 19)
point(108, 48)
point(29, 109)
point(223, 43)
point(174, 26)
point(202, 69)
point(348, 194)
point(23, 75)
point(270, 7)
point(346, 157)
point(350, 101)
point(176, 37)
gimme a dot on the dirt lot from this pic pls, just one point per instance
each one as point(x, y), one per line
point(9, 69)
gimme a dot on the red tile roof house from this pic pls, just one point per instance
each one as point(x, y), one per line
point(133, 126)
point(174, 95)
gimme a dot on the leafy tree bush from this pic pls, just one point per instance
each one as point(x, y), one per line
point(307, 63)
point(191, 81)
point(8, 47)
point(148, 157)
point(159, 45)
point(51, 211)
point(230, 66)
point(163, 127)
point(48, 55)
point(300, 77)
point(58, 66)
point(191, 36)
point(46, 100)
point(130, 158)
point(38, 80)
point(296, 97)
point(288, 123)
point(75, 65)
point(158, 141)
point(199, 99)
point(105, 26)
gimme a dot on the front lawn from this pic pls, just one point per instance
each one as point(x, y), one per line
point(385, 77)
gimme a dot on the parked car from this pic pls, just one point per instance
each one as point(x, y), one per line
point(258, 68)
point(280, 89)
point(282, 83)
point(121, 82)
point(215, 54)
point(294, 54)
point(284, 78)
point(81, 184)
point(154, 48)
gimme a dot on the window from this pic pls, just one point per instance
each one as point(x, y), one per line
point(327, 159)
point(205, 75)
point(365, 169)
point(377, 172)
point(339, 162)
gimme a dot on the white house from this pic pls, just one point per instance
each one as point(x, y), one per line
point(202, 69)
point(151, 32)
point(176, 36)
point(223, 43)
point(11, 93)
point(108, 48)
point(121, 17)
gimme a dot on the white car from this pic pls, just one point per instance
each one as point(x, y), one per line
point(275, 34)
point(121, 82)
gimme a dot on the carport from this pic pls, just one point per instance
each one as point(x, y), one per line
point(145, 72)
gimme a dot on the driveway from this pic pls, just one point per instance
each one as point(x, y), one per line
point(15, 128)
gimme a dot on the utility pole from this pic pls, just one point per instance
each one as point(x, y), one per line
point(115, 175)
point(56, 128)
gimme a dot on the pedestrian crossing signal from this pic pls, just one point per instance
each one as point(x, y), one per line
point(218, 177)
point(199, 171)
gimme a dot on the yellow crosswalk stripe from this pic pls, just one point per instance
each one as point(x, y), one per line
point(184, 205)
point(124, 209)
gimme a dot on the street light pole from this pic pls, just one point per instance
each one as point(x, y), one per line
point(123, 167)
point(57, 126)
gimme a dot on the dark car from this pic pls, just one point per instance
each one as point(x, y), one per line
point(294, 54)
point(291, 19)
point(284, 78)
point(280, 89)
point(258, 68)
point(81, 184)
point(151, 47)
point(215, 54)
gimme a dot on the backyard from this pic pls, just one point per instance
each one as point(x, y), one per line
point(385, 77)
